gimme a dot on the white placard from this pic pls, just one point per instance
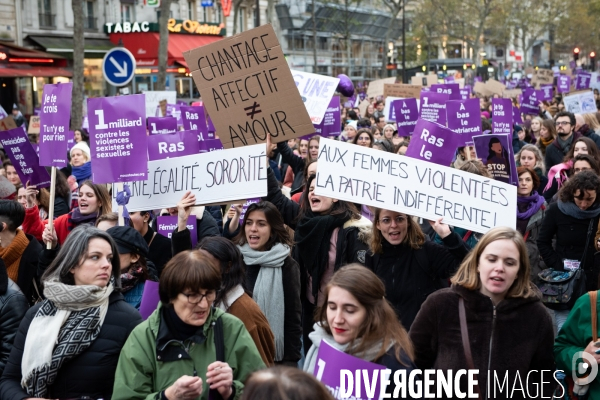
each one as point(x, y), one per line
point(388, 110)
point(316, 92)
point(154, 97)
point(415, 187)
point(580, 103)
point(214, 177)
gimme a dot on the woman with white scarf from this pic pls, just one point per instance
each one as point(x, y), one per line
point(273, 277)
point(68, 345)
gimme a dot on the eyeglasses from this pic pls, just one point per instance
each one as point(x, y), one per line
point(563, 123)
point(196, 298)
point(364, 139)
point(387, 221)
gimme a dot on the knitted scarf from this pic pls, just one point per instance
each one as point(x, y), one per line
point(569, 208)
point(131, 278)
point(268, 289)
point(76, 218)
point(12, 254)
point(82, 173)
point(533, 204)
point(312, 237)
point(66, 324)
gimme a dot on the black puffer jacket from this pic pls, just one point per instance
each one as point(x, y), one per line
point(28, 269)
point(13, 306)
point(91, 373)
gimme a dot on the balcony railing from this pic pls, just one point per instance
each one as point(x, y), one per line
point(47, 20)
point(89, 23)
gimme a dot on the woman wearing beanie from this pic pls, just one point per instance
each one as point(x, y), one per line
point(81, 166)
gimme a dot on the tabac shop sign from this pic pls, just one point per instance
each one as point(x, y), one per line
point(174, 25)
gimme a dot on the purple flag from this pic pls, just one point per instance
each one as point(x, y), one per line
point(563, 84)
point(502, 119)
point(407, 114)
point(517, 119)
point(331, 126)
point(162, 125)
point(464, 118)
point(150, 299)
point(55, 117)
point(118, 138)
point(167, 224)
point(433, 107)
point(178, 144)
point(434, 143)
point(24, 158)
point(495, 151)
point(451, 89)
point(583, 80)
point(547, 92)
point(531, 101)
point(194, 119)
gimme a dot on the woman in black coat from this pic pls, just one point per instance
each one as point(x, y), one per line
point(68, 345)
point(573, 219)
point(411, 267)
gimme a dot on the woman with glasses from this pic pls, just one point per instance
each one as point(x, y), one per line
point(411, 267)
point(364, 138)
point(187, 349)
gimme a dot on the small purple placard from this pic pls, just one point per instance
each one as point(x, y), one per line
point(24, 158)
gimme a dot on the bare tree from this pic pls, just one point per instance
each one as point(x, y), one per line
point(163, 44)
point(78, 49)
point(395, 6)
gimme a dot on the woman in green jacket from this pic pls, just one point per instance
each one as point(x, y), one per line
point(187, 348)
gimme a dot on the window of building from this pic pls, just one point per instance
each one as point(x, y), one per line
point(89, 20)
point(205, 14)
point(192, 10)
point(46, 15)
point(242, 19)
point(127, 13)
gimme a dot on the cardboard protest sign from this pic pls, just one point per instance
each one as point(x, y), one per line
point(34, 124)
point(376, 88)
point(331, 124)
point(118, 138)
point(582, 81)
point(7, 123)
point(24, 158)
point(433, 107)
point(194, 119)
point(563, 84)
point(580, 103)
point(214, 177)
point(424, 80)
point(55, 117)
point(481, 90)
point(388, 111)
point(316, 91)
point(542, 76)
point(362, 107)
point(502, 119)
point(434, 143)
point(248, 89)
point(154, 99)
point(531, 102)
point(401, 90)
point(330, 370)
point(161, 125)
point(496, 152)
point(178, 144)
point(451, 89)
point(415, 187)
point(167, 224)
point(512, 93)
point(464, 118)
point(407, 114)
point(495, 87)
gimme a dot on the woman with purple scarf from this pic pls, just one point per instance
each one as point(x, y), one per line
point(531, 207)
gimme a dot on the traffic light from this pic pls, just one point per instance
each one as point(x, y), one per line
point(593, 60)
point(576, 53)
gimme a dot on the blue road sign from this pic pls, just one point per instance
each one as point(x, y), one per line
point(118, 66)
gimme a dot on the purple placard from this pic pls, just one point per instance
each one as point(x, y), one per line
point(407, 114)
point(563, 84)
point(24, 157)
point(583, 80)
point(531, 101)
point(331, 125)
point(55, 117)
point(465, 94)
point(449, 79)
point(478, 79)
point(434, 143)
point(517, 119)
point(433, 107)
point(464, 118)
point(194, 119)
point(172, 110)
point(167, 224)
point(162, 125)
point(245, 208)
point(209, 145)
point(331, 361)
point(502, 119)
point(451, 89)
point(118, 138)
point(181, 103)
point(211, 127)
point(150, 299)
point(572, 64)
point(546, 92)
point(178, 144)
point(495, 151)
point(350, 102)
point(70, 140)
point(36, 110)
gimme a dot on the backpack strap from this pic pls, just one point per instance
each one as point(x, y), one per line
point(464, 334)
point(467, 236)
point(214, 394)
point(593, 302)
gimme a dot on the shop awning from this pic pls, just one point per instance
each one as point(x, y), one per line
point(144, 46)
point(59, 44)
point(34, 71)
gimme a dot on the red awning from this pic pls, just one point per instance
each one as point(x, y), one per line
point(144, 46)
point(34, 71)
